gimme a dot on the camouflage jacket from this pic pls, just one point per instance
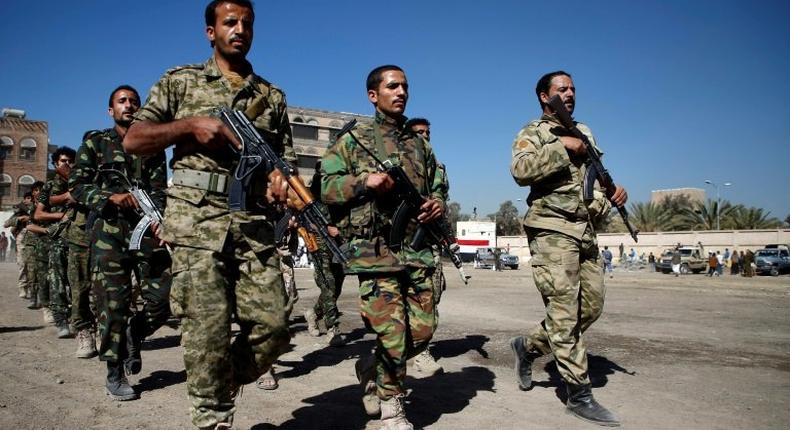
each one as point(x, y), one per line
point(92, 185)
point(364, 219)
point(541, 162)
point(199, 218)
point(54, 187)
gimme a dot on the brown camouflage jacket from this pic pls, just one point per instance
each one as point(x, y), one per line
point(199, 218)
point(541, 162)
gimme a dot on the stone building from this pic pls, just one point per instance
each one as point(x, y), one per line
point(314, 130)
point(693, 194)
point(25, 149)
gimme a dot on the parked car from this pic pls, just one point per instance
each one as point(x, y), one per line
point(772, 261)
point(484, 259)
point(691, 260)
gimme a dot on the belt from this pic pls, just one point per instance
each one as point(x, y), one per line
point(212, 182)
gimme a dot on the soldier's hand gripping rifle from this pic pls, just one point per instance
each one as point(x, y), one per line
point(148, 211)
point(595, 169)
point(257, 153)
point(436, 232)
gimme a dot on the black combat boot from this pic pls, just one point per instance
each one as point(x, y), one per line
point(118, 387)
point(134, 342)
point(582, 404)
point(524, 361)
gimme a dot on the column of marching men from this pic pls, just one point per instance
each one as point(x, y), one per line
point(209, 265)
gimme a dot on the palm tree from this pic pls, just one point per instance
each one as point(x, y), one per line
point(703, 216)
point(743, 218)
point(650, 216)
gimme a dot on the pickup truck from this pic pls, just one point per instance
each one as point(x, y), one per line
point(772, 261)
point(691, 260)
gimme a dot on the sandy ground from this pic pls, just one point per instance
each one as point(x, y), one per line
point(669, 353)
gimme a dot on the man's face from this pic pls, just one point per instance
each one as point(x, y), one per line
point(392, 94)
point(561, 85)
point(35, 191)
point(124, 104)
point(423, 130)
point(232, 31)
point(63, 165)
point(28, 200)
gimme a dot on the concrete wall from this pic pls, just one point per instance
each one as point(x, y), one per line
point(658, 242)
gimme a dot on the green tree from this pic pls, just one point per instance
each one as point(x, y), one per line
point(787, 220)
point(507, 220)
point(649, 216)
point(702, 216)
point(743, 218)
point(454, 214)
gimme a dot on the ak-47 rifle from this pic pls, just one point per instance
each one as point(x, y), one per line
point(595, 170)
point(148, 211)
point(257, 152)
point(436, 232)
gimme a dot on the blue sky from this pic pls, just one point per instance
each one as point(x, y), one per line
point(676, 92)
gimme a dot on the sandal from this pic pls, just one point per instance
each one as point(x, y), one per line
point(267, 381)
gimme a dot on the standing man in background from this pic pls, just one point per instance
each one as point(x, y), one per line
point(225, 264)
point(561, 227)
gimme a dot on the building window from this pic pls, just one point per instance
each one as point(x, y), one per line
point(27, 149)
point(25, 185)
point(5, 185)
point(6, 147)
point(297, 119)
point(305, 132)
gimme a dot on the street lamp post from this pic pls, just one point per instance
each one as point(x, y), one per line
point(718, 200)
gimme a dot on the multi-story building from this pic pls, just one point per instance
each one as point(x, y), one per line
point(24, 155)
point(314, 130)
point(693, 194)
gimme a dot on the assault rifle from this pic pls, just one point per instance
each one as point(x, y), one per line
point(595, 170)
point(256, 153)
point(148, 210)
point(436, 232)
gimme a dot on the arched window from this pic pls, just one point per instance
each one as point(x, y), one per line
point(27, 149)
point(5, 185)
point(6, 147)
point(312, 121)
point(25, 185)
point(297, 119)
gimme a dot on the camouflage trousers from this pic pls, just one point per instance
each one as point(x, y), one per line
point(22, 264)
point(399, 308)
point(82, 312)
point(112, 264)
point(58, 281)
point(40, 269)
point(567, 273)
point(329, 278)
point(209, 289)
point(439, 283)
point(289, 278)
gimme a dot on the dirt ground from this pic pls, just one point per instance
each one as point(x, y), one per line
point(668, 353)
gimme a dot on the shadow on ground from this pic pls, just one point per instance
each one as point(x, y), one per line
point(159, 379)
point(599, 369)
point(20, 328)
point(430, 398)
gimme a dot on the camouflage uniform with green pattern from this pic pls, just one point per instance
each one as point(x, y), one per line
point(82, 310)
point(40, 244)
point(111, 261)
point(225, 263)
point(57, 277)
point(396, 290)
point(561, 228)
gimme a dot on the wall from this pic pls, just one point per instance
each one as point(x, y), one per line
point(658, 242)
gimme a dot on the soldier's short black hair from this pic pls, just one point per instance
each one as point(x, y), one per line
point(122, 87)
point(211, 9)
point(63, 150)
point(37, 184)
point(416, 121)
point(374, 77)
point(544, 83)
point(27, 194)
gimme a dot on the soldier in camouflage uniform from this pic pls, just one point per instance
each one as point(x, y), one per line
point(328, 276)
point(424, 361)
point(561, 228)
point(225, 264)
point(37, 240)
point(18, 225)
point(97, 184)
point(52, 208)
point(83, 318)
point(396, 291)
